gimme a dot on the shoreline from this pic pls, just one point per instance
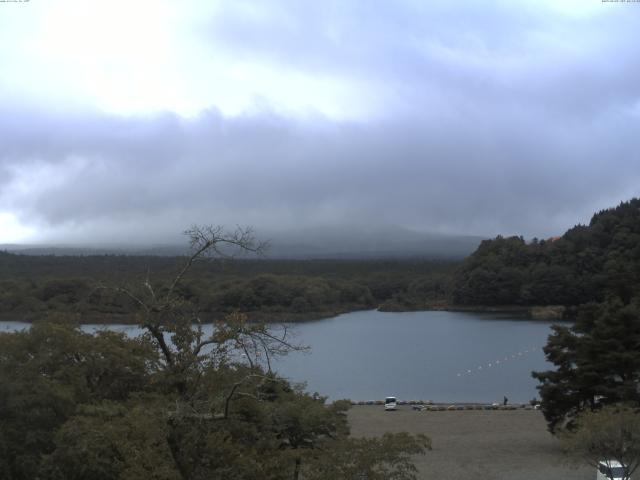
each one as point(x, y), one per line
point(546, 313)
point(446, 406)
point(532, 312)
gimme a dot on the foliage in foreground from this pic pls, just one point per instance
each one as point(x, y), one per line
point(80, 406)
point(174, 403)
point(611, 434)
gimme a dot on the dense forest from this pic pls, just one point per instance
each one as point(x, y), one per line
point(32, 286)
point(595, 270)
point(588, 263)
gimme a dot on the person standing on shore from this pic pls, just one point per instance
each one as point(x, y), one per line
point(506, 400)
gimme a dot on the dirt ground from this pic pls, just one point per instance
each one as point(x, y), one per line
point(471, 444)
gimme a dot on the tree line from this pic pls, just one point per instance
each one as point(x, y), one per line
point(586, 264)
point(31, 286)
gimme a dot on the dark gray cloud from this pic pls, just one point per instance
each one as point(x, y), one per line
point(475, 175)
point(487, 119)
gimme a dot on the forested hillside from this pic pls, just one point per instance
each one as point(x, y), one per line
point(33, 286)
point(588, 263)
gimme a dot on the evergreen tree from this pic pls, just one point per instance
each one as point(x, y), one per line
point(597, 362)
point(586, 264)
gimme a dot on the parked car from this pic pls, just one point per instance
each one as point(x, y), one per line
point(610, 470)
point(390, 403)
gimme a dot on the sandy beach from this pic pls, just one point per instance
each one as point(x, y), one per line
point(471, 444)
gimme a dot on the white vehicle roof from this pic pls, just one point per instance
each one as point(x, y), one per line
point(610, 463)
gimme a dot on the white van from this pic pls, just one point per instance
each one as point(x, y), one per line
point(390, 403)
point(610, 469)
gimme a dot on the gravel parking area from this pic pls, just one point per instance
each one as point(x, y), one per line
point(471, 444)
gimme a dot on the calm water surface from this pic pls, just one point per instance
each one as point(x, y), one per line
point(439, 356)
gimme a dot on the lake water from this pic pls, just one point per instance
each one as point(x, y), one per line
point(438, 356)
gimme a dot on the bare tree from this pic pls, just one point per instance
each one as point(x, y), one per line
point(174, 323)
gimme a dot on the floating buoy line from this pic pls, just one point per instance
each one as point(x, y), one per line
point(498, 362)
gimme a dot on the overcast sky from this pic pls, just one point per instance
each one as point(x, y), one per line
point(131, 120)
